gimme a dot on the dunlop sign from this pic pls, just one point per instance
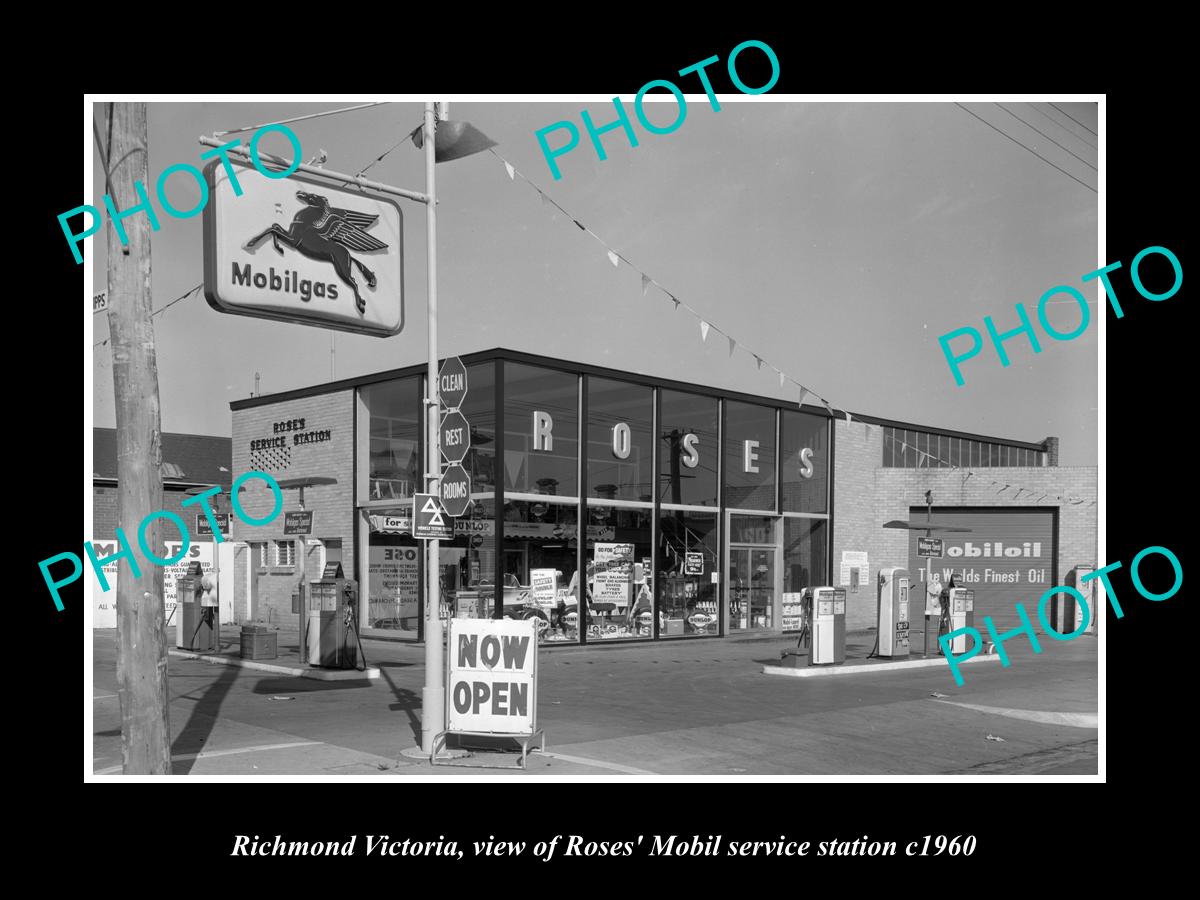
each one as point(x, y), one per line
point(491, 680)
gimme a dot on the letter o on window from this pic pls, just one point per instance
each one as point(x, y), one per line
point(622, 442)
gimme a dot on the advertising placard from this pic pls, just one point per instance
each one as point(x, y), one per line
point(298, 522)
point(693, 563)
point(104, 603)
point(491, 677)
point(930, 547)
point(543, 587)
point(613, 573)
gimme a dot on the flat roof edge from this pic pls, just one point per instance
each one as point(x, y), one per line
point(618, 374)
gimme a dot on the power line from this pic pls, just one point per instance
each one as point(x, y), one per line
point(183, 296)
point(1046, 136)
point(1018, 143)
point(1050, 118)
point(1072, 118)
point(379, 158)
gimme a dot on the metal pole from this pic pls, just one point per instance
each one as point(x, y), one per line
point(433, 693)
point(928, 566)
point(303, 595)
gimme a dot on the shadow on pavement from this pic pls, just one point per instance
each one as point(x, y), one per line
point(192, 737)
point(288, 685)
point(407, 701)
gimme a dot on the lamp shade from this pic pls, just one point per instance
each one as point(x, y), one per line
point(454, 140)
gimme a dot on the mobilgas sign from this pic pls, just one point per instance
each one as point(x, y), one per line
point(302, 250)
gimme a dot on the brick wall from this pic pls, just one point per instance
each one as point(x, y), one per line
point(866, 495)
point(105, 520)
point(333, 505)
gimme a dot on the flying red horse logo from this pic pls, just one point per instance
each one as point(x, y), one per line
point(322, 232)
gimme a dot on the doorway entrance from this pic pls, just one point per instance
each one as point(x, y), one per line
point(753, 589)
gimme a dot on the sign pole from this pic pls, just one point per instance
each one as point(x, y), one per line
point(433, 693)
point(303, 598)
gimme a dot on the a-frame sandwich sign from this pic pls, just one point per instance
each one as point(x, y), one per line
point(430, 521)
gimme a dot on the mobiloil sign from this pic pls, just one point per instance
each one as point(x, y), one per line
point(1013, 563)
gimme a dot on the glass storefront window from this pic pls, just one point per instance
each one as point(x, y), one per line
point(620, 443)
point(619, 574)
point(805, 462)
point(479, 407)
point(804, 564)
point(749, 456)
point(467, 564)
point(393, 566)
point(541, 431)
point(688, 554)
point(688, 454)
point(538, 564)
point(393, 454)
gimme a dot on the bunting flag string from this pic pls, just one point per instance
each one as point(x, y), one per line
point(616, 258)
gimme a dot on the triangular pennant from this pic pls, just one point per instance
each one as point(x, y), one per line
point(849, 418)
point(758, 360)
point(828, 408)
point(645, 284)
point(803, 394)
point(867, 429)
point(545, 200)
point(732, 344)
point(512, 173)
point(703, 328)
point(676, 302)
point(782, 379)
point(612, 258)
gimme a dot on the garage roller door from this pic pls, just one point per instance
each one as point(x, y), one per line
point(1008, 556)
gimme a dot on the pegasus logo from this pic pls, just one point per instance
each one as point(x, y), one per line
point(322, 232)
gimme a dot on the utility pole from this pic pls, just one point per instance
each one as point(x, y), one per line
point(141, 630)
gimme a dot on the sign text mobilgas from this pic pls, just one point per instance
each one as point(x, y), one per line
point(289, 281)
point(304, 250)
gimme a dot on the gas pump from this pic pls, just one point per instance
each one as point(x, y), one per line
point(331, 619)
point(893, 612)
point(828, 626)
point(196, 618)
point(959, 606)
point(1064, 613)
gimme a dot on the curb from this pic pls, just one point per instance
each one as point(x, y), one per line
point(370, 673)
point(816, 671)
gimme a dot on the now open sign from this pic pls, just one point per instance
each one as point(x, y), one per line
point(491, 683)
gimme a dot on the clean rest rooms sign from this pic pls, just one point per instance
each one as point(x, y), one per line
point(492, 683)
point(304, 251)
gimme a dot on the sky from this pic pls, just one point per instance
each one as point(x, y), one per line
point(837, 241)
